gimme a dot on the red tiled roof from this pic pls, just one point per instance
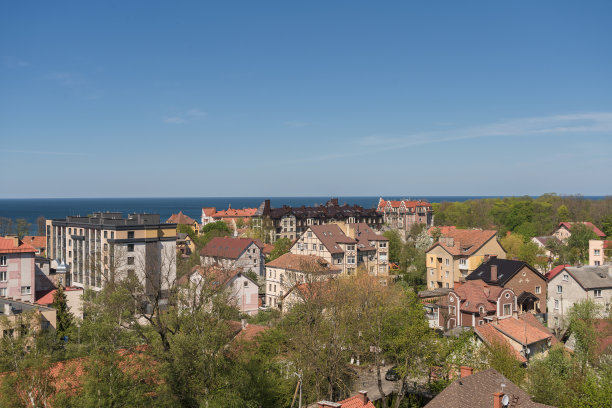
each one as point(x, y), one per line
point(297, 262)
point(490, 335)
point(476, 293)
point(234, 213)
point(250, 332)
point(596, 230)
point(267, 249)
point(356, 402)
point(226, 247)
point(214, 274)
point(180, 218)
point(464, 242)
point(209, 211)
point(554, 271)
point(47, 299)
point(407, 203)
point(8, 246)
point(444, 229)
point(522, 331)
point(35, 241)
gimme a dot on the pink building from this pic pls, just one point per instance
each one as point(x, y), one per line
point(17, 272)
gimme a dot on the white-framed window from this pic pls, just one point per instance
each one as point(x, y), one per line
point(480, 322)
point(507, 295)
point(2, 291)
point(3, 276)
point(481, 310)
point(321, 247)
point(431, 272)
point(596, 252)
point(300, 246)
point(559, 289)
point(245, 284)
point(383, 257)
point(350, 260)
point(447, 261)
point(431, 284)
point(350, 247)
point(447, 285)
point(383, 245)
point(507, 310)
point(556, 303)
point(597, 292)
point(538, 290)
point(597, 263)
point(26, 290)
point(309, 233)
point(446, 274)
point(565, 277)
point(463, 261)
point(2, 260)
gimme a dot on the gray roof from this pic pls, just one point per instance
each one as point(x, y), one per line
point(592, 277)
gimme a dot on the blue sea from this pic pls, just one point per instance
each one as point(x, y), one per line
point(32, 208)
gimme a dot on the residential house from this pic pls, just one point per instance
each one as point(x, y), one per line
point(17, 270)
point(372, 247)
point(74, 300)
point(403, 214)
point(15, 313)
point(457, 254)
point(475, 303)
point(289, 269)
point(182, 219)
point(37, 242)
point(574, 284)
point(486, 389)
point(291, 222)
point(600, 252)
point(105, 246)
point(523, 334)
point(527, 282)
point(207, 215)
point(543, 242)
point(244, 254)
point(243, 291)
point(360, 400)
point(563, 231)
point(330, 243)
point(184, 244)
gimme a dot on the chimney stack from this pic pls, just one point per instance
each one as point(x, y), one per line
point(497, 399)
point(363, 397)
point(493, 273)
point(466, 371)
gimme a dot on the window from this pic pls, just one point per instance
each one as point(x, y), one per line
point(26, 290)
point(431, 272)
point(597, 263)
point(2, 291)
point(350, 259)
point(451, 310)
point(69, 254)
point(597, 292)
point(112, 234)
point(431, 259)
point(130, 234)
point(350, 247)
point(507, 310)
point(596, 252)
point(447, 262)
point(3, 276)
point(383, 244)
point(507, 295)
point(565, 277)
point(309, 234)
point(321, 247)
point(559, 289)
point(447, 285)
point(70, 231)
point(314, 247)
point(300, 246)
point(431, 284)
point(556, 303)
point(130, 260)
point(446, 274)
point(463, 261)
point(130, 248)
point(105, 234)
point(481, 310)
point(538, 290)
point(245, 284)
point(3, 260)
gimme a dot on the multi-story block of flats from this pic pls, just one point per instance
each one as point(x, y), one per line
point(105, 246)
point(403, 214)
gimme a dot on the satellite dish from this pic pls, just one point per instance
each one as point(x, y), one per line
point(505, 400)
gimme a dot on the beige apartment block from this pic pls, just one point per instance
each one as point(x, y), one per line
point(600, 252)
point(459, 253)
point(105, 246)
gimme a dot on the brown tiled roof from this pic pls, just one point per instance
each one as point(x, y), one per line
point(522, 331)
point(444, 229)
point(490, 335)
point(47, 299)
point(476, 391)
point(209, 211)
point(297, 262)
point(464, 242)
point(214, 274)
point(8, 246)
point(267, 249)
point(364, 235)
point(226, 247)
point(180, 218)
point(35, 241)
point(590, 225)
point(331, 235)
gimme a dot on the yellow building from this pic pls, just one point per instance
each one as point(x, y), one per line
point(457, 254)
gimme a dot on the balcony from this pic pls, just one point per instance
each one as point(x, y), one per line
point(463, 266)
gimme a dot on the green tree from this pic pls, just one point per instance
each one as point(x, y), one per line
point(500, 357)
point(23, 227)
point(578, 243)
point(281, 247)
point(395, 245)
point(563, 213)
point(547, 378)
point(64, 319)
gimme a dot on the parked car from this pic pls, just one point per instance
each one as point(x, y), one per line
point(392, 374)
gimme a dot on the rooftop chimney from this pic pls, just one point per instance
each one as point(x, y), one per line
point(497, 399)
point(466, 371)
point(493, 273)
point(363, 397)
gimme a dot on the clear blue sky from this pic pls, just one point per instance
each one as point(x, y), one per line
point(148, 98)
